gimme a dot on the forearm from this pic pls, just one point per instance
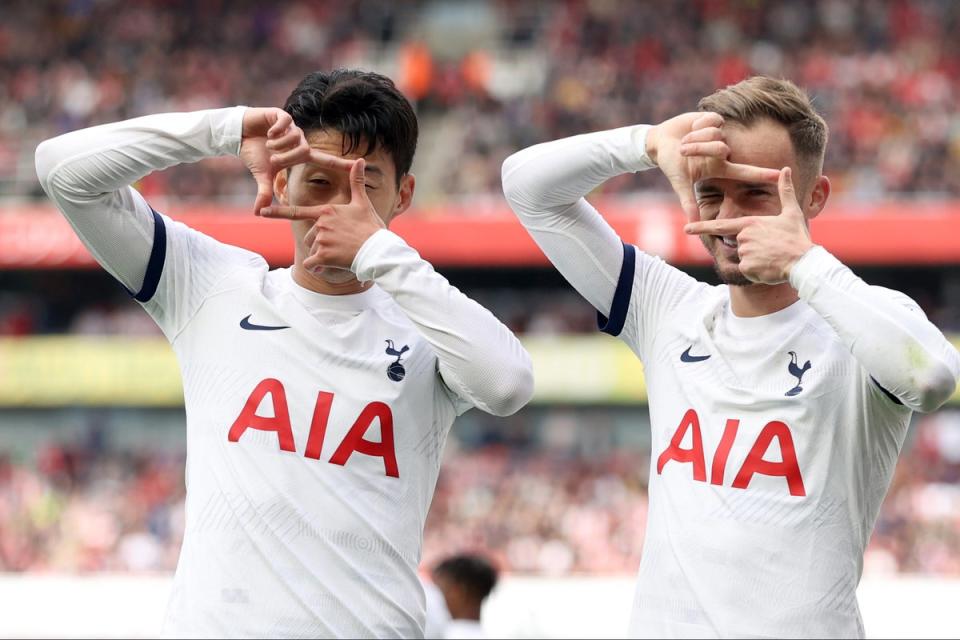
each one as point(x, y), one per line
point(545, 186)
point(480, 359)
point(87, 174)
point(91, 163)
point(893, 341)
point(549, 177)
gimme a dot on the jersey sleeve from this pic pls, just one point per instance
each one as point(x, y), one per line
point(480, 362)
point(88, 175)
point(184, 269)
point(546, 187)
point(904, 354)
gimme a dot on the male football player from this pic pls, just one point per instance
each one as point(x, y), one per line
point(779, 400)
point(318, 397)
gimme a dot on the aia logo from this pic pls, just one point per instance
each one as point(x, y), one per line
point(755, 462)
point(797, 372)
point(395, 370)
point(354, 442)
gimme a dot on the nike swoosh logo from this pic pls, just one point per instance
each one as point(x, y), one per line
point(686, 357)
point(249, 326)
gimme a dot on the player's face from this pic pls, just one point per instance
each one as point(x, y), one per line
point(310, 185)
point(763, 144)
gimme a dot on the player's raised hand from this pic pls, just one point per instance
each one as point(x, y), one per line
point(768, 246)
point(691, 147)
point(271, 142)
point(339, 230)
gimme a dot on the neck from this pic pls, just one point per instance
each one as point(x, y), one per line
point(313, 282)
point(761, 299)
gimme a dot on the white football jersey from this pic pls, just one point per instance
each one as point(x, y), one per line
point(315, 423)
point(772, 450)
point(774, 438)
point(314, 430)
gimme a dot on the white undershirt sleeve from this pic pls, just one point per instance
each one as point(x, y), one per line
point(480, 360)
point(885, 331)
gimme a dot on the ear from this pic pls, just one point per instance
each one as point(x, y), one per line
point(817, 199)
point(404, 199)
point(280, 184)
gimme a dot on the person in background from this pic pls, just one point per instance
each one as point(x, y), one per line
point(465, 580)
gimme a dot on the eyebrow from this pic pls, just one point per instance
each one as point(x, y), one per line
point(374, 169)
point(369, 169)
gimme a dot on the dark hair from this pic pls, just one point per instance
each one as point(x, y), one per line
point(365, 107)
point(781, 101)
point(473, 572)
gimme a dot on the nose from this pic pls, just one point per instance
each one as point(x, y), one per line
point(342, 195)
point(728, 209)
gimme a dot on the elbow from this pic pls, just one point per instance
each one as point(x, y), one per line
point(513, 388)
point(45, 158)
point(511, 183)
point(937, 385)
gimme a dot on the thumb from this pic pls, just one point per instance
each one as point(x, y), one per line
point(688, 202)
point(264, 192)
point(358, 180)
point(788, 196)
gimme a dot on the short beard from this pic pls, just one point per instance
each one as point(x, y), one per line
point(732, 277)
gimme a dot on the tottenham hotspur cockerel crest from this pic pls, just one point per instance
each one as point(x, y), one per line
point(395, 370)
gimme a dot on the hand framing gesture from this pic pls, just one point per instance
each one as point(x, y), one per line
point(339, 230)
point(768, 245)
point(691, 147)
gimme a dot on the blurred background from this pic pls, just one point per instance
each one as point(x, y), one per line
point(91, 418)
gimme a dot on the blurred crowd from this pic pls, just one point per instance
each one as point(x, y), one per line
point(491, 77)
point(534, 509)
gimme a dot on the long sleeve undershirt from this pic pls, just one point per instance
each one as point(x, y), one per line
point(88, 174)
point(887, 334)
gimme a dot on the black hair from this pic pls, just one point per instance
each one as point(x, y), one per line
point(473, 572)
point(365, 107)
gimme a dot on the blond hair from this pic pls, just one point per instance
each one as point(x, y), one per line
point(762, 97)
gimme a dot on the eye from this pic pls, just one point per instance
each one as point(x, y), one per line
point(758, 193)
point(320, 182)
point(371, 187)
point(708, 198)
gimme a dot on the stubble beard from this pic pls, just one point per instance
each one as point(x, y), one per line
point(729, 274)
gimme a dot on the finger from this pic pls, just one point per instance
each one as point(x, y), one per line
point(290, 139)
point(688, 201)
point(329, 161)
point(293, 212)
point(311, 236)
point(749, 173)
point(264, 196)
point(788, 195)
point(708, 119)
point(283, 121)
point(289, 158)
point(358, 181)
point(725, 227)
point(708, 134)
point(715, 149)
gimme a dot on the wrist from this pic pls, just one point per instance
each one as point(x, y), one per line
point(653, 134)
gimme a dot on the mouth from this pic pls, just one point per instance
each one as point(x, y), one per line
point(728, 241)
